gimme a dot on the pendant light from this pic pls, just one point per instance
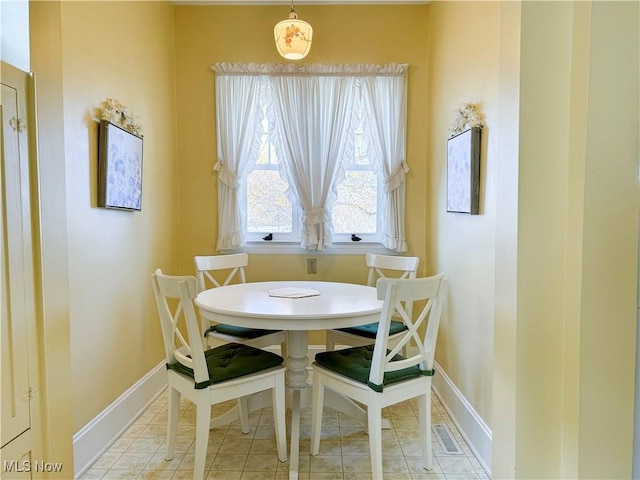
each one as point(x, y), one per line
point(293, 36)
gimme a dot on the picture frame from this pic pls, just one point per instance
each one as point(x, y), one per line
point(119, 168)
point(463, 172)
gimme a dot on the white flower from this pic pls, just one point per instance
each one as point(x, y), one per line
point(467, 115)
point(113, 111)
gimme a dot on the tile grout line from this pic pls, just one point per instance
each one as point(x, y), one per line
point(159, 408)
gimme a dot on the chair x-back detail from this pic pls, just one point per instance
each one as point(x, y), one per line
point(231, 371)
point(403, 267)
point(376, 375)
point(206, 267)
point(235, 262)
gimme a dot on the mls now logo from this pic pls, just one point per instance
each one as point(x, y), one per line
point(29, 466)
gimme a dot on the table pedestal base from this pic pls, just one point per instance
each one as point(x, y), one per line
point(298, 397)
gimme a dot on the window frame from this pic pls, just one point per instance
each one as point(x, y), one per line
point(371, 238)
point(284, 238)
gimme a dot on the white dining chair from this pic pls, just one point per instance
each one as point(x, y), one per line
point(379, 266)
point(208, 377)
point(378, 377)
point(207, 270)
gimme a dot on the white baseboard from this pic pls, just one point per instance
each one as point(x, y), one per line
point(98, 435)
point(476, 433)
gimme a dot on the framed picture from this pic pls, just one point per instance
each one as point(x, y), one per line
point(119, 168)
point(463, 172)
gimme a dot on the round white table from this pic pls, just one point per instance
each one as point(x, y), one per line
point(338, 305)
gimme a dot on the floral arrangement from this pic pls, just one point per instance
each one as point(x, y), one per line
point(467, 115)
point(291, 32)
point(113, 111)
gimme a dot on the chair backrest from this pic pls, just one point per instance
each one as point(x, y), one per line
point(174, 298)
point(205, 265)
point(406, 267)
point(396, 293)
point(402, 267)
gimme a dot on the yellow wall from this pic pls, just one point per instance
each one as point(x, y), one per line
point(543, 167)
point(51, 255)
point(577, 239)
point(461, 245)
point(610, 247)
point(548, 283)
point(542, 303)
point(125, 51)
point(505, 347)
point(342, 34)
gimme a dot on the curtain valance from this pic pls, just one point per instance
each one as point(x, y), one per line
point(313, 69)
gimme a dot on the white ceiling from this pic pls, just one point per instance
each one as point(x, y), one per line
point(298, 2)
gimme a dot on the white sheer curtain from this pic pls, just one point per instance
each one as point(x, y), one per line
point(238, 108)
point(386, 99)
point(312, 116)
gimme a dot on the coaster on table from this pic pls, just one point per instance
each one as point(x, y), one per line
point(292, 292)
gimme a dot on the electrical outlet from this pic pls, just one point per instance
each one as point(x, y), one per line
point(312, 265)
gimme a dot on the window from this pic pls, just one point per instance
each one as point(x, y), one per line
point(355, 211)
point(311, 154)
point(269, 211)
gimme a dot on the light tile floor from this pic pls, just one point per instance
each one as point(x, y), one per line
point(232, 455)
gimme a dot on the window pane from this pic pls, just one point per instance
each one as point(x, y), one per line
point(268, 209)
point(355, 210)
point(267, 153)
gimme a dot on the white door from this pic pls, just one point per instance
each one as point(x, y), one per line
point(16, 253)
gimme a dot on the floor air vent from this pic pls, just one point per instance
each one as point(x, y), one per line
point(446, 439)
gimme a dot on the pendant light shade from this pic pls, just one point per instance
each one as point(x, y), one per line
point(293, 37)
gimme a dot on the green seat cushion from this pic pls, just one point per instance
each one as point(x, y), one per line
point(370, 330)
point(240, 332)
point(232, 360)
point(355, 363)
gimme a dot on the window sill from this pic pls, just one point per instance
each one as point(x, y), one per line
point(338, 248)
